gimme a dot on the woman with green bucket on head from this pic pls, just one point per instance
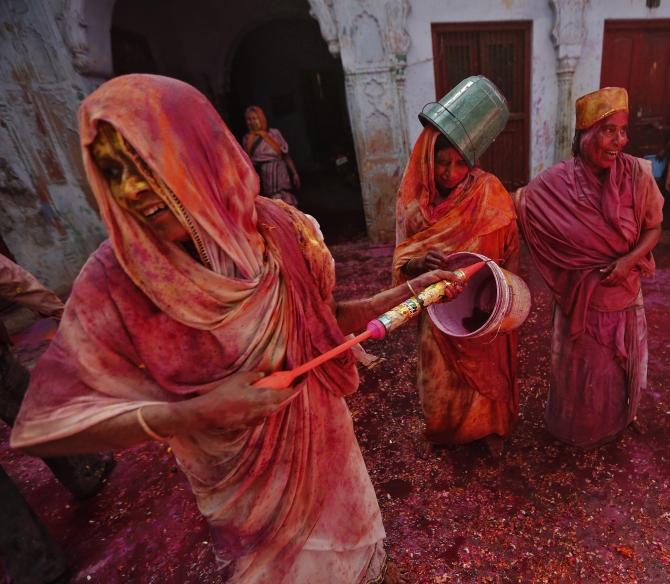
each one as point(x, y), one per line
point(446, 204)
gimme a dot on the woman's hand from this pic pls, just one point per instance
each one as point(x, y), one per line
point(236, 404)
point(617, 271)
point(425, 280)
point(433, 260)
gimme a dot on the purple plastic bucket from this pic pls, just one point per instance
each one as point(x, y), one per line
point(493, 301)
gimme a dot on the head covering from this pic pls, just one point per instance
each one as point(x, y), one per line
point(198, 166)
point(416, 206)
point(253, 137)
point(418, 181)
point(255, 109)
point(595, 106)
point(477, 206)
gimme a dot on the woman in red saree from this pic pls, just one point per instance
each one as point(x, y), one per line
point(590, 223)
point(201, 285)
point(467, 387)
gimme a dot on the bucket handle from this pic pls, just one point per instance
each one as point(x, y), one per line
point(446, 109)
point(495, 336)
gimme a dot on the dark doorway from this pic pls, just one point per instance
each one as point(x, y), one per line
point(131, 53)
point(285, 68)
point(6, 305)
point(501, 52)
point(636, 55)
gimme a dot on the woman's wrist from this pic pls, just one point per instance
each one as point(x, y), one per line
point(168, 419)
point(413, 267)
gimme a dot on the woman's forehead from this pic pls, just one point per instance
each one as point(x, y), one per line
point(615, 119)
point(106, 133)
point(107, 140)
point(447, 152)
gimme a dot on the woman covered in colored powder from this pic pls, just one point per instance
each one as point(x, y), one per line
point(200, 286)
point(269, 152)
point(590, 223)
point(467, 387)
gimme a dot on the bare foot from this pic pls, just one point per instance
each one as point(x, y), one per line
point(494, 444)
point(638, 426)
point(428, 451)
point(394, 575)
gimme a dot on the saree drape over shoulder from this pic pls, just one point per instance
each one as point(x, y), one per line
point(574, 226)
point(147, 324)
point(467, 387)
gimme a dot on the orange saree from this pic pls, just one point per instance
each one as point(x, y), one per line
point(467, 387)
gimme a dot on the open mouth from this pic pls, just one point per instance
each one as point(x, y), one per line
point(152, 210)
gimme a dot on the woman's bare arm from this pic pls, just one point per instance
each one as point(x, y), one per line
point(232, 405)
point(353, 315)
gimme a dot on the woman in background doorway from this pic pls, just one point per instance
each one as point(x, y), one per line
point(269, 152)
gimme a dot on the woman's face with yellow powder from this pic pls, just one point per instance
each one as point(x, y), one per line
point(130, 188)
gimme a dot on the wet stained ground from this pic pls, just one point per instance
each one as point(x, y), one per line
point(542, 513)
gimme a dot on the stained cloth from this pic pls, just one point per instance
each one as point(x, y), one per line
point(467, 387)
point(575, 226)
point(147, 324)
point(267, 150)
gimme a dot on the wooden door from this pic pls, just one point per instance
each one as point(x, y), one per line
point(636, 55)
point(501, 52)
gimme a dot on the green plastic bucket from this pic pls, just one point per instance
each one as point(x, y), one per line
point(470, 116)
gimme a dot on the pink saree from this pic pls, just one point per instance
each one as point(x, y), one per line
point(146, 324)
point(574, 226)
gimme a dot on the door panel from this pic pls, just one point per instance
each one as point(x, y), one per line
point(501, 52)
point(636, 55)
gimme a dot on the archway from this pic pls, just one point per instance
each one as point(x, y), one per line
point(278, 61)
point(284, 66)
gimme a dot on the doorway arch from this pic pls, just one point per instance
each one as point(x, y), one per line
point(276, 60)
point(284, 67)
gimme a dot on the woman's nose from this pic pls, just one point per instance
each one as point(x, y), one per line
point(133, 186)
point(623, 138)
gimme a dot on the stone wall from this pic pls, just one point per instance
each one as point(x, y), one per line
point(372, 42)
point(47, 216)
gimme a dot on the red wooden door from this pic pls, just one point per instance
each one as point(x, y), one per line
point(636, 55)
point(501, 52)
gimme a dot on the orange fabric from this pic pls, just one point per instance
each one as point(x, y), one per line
point(479, 206)
point(595, 106)
point(147, 324)
point(250, 137)
point(468, 387)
